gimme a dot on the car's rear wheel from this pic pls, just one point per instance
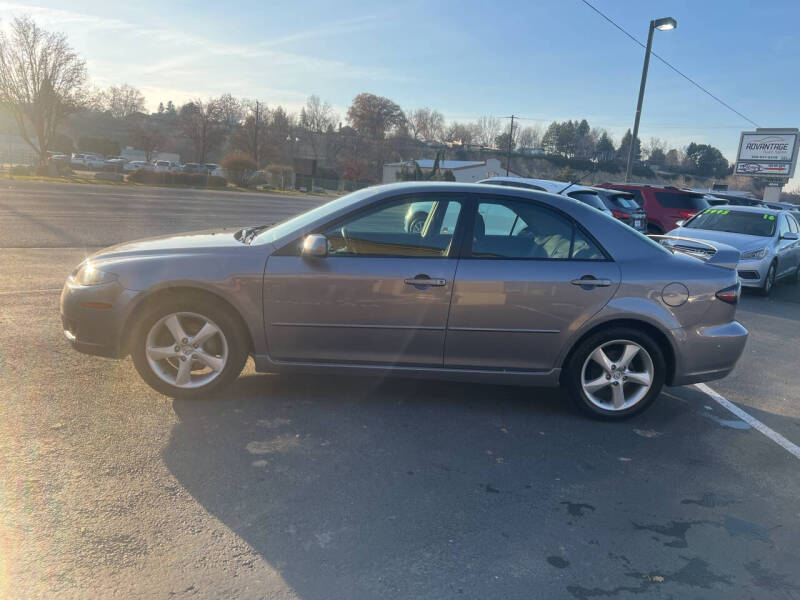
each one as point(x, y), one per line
point(189, 348)
point(769, 281)
point(616, 373)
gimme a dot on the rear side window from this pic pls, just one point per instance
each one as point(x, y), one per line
point(793, 226)
point(678, 200)
point(512, 229)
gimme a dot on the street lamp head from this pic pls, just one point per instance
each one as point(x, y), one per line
point(665, 23)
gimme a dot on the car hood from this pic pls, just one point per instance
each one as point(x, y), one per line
point(184, 243)
point(740, 241)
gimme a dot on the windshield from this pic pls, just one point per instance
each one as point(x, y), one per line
point(723, 219)
point(306, 218)
point(590, 198)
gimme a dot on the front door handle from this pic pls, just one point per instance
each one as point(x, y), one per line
point(591, 282)
point(424, 280)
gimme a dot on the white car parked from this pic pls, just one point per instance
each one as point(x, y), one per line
point(167, 166)
point(135, 165)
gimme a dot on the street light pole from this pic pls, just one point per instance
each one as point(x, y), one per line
point(510, 138)
point(662, 24)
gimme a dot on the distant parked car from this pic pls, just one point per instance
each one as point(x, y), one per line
point(115, 163)
point(93, 161)
point(738, 199)
point(166, 166)
point(624, 207)
point(664, 205)
point(193, 168)
point(582, 193)
point(715, 201)
point(76, 160)
point(135, 165)
point(211, 167)
point(767, 240)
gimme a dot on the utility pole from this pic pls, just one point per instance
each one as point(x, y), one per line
point(255, 135)
point(510, 139)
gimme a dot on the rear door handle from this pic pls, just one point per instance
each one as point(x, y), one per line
point(424, 280)
point(592, 282)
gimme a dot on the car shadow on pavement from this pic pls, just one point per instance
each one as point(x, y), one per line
point(369, 488)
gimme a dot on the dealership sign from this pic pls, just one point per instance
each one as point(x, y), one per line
point(768, 152)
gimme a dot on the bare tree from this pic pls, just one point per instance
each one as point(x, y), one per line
point(317, 116)
point(252, 136)
point(460, 133)
point(121, 101)
point(201, 122)
point(486, 130)
point(231, 111)
point(147, 135)
point(42, 80)
point(426, 124)
point(529, 138)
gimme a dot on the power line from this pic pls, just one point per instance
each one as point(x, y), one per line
point(663, 60)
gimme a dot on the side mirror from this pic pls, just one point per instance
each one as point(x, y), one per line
point(789, 235)
point(680, 223)
point(315, 245)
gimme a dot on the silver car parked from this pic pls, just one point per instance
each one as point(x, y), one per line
point(500, 285)
point(766, 238)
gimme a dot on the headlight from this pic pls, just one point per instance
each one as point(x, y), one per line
point(754, 254)
point(88, 274)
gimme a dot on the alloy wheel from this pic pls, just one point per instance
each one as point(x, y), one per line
point(617, 375)
point(186, 350)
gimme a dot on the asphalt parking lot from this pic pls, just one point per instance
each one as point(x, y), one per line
point(320, 487)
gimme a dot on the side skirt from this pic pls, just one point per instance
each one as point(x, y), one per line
point(265, 364)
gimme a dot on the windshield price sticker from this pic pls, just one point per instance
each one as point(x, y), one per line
point(769, 217)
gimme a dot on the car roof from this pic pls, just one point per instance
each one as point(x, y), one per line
point(549, 185)
point(669, 188)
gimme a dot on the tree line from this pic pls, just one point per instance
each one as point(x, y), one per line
point(44, 85)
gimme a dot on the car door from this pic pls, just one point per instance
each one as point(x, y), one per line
point(528, 278)
point(381, 295)
point(786, 248)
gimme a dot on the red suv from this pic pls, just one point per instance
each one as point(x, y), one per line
point(664, 205)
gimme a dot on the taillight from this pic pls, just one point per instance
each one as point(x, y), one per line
point(619, 214)
point(687, 214)
point(730, 294)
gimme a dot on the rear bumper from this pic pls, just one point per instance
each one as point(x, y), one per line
point(707, 353)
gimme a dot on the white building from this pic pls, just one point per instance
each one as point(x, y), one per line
point(467, 171)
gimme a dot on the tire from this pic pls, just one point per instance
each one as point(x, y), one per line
point(417, 222)
point(769, 281)
point(213, 363)
point(614, 341)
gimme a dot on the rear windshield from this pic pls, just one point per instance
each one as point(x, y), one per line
point(590, 198)
point(723, 219)
point(623, 201)
point(679, 200)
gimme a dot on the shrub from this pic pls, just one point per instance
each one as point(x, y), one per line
point(165, 178)
point(239, 165)
point(21, 170)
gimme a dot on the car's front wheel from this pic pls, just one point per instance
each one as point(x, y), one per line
point(189, 348)
point(616, 373)
point(769, 280)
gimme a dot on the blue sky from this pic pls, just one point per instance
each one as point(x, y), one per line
point(542, 59)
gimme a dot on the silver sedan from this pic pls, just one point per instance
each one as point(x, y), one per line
point(499, 285)
point(767, 240)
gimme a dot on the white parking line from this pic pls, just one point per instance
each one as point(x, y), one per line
point(750, 420)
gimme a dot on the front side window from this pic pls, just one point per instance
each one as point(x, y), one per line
point(514, 229)
point(384, 231)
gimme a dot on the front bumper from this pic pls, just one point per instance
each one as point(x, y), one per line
point(93, 317)
point(707, 353)
point(753, 272)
